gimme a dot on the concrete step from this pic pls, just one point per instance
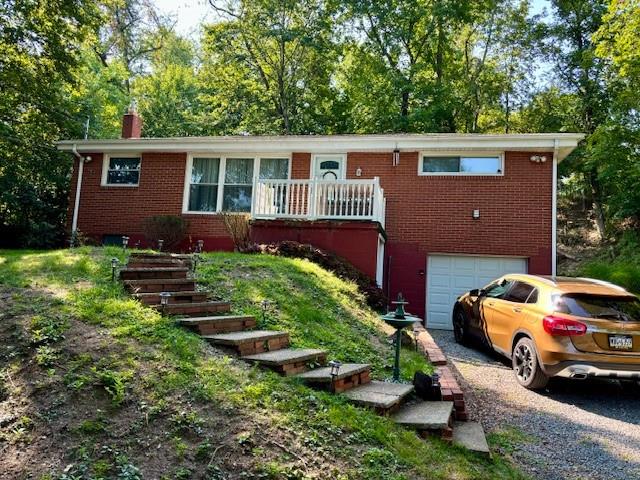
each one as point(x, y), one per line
point(155, 273)
point(383, 397)
point(251, 342)
point(212, 325)
point(471, 436)
point(160, 285)
point(196, 309)
point(349, 375)
point(289, 361)
point(427, 418)
point(176, 297)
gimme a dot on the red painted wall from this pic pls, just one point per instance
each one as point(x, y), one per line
point(425, 214)
point(355, 241)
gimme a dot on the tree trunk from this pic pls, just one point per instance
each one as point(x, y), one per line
point(598, 211)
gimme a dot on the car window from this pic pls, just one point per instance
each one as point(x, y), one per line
point(519, 292)
point(600, 306)
point(498, 289)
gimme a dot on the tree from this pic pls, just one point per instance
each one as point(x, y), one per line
point(581, 72)
point(267, 66)
point(39, 49)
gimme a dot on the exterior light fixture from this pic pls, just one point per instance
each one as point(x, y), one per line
point(125, 242)
point(334, 365)
point(476, 214)
point(358, 172)
point(114, 266)
point(538, 158)
point(164, 300)
point(396, 157)
point(160, 244)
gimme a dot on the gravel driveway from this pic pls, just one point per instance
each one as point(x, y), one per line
point(573, 430)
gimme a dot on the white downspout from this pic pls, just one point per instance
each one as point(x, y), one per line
point(76, 206)
point(554, 211)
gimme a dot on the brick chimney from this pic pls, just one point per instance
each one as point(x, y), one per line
point(131, 122)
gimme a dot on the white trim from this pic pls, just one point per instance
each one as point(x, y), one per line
point(343, 164)
point(455, 254)
point(76, 203)
point(106, 158)
point(221, 174)
point(380, 261)
point(554, 212)
point(431, 153)
point(533, 142)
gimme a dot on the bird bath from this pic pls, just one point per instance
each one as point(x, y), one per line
point(399, 319)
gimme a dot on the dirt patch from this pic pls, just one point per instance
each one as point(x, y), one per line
point(58, 414)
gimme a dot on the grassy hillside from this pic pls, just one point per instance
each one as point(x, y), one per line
point(94, 385)
point(617, 262)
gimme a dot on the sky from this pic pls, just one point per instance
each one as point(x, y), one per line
point(189, 14)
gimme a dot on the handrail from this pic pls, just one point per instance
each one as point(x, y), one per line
point(361, 199)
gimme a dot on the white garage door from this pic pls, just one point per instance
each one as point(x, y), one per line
point(450, 276)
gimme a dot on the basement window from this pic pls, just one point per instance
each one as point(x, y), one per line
point(123, 170)
point(461, 165)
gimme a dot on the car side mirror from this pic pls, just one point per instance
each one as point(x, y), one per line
point(476, 292)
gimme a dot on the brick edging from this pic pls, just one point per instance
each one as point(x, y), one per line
point(449, 386)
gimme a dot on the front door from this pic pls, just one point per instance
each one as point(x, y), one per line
point(329, 167)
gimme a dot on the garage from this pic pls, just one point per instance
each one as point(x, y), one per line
point(449, 276)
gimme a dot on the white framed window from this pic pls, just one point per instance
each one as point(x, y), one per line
point(121, 170)
point(485, 164)
point(216, 183)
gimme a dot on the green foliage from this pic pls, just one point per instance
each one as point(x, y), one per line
point(114, 382)
point(620, 265)
point(47, 329)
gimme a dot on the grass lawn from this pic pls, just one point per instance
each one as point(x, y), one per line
point(94, 385)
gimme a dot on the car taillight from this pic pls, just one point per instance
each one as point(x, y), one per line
point(563, 326)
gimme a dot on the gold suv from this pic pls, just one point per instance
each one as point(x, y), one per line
point(555, 326)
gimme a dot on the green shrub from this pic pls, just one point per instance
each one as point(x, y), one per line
point(114, 383)
point(46, 330)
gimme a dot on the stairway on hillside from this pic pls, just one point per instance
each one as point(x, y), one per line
point(147, 275)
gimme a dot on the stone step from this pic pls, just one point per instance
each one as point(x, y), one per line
point(160, 285)
point(289, 361)
point(383, 397)
point(155, 273)
point(349, 375)
point(221, 324)
point(471, 436)
point(157, 262)
point(427, 418)
point(196, 309)
point(251, 342)
point(152, 255)
point(176, 297)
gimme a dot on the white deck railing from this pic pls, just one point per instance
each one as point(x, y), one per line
point(319, 199)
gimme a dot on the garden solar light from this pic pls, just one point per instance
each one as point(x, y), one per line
point(335, 369)
point(164, 299)
point(114, 265)
point(125, 242)
point(160, 244)
point(264, 304)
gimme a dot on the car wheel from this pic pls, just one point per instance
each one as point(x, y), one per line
point(526, 367)
point(460, 326)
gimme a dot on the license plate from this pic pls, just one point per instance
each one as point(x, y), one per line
point(620, 342)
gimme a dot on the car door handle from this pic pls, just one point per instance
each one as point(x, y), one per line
point(491, 304)
point(517, 309)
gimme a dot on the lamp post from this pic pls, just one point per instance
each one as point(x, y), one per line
point(160, 244)
point(125, 243)
point(264, 305)
point(164, 300)
point(114, 265)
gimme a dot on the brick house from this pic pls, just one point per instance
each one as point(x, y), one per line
point(430, 215)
